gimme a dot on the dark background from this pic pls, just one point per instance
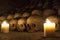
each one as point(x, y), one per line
point(11, 6)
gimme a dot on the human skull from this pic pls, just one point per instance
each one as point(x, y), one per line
point(21, 24)
point(36, 12)
point(35, 23)
point(48, 12)
point(13, 24)
point(55, 20)
point(10, 17)
point(2, 18)
point(26, 14)
point(17, 15)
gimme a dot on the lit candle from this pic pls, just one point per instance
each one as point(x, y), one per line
point(49, 28)
point(5, 27)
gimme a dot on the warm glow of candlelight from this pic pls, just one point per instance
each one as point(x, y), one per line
point(49, 28)
point(5, 27)
point(47, 21)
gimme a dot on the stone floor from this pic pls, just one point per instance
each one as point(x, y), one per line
point(27, 36)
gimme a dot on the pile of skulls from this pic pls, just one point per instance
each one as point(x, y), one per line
point(31, 22)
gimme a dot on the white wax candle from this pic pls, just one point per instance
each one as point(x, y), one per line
point(5, 27)
point(49, 28)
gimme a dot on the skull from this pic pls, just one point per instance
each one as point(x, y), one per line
point(2, 18)
point(13, 24)
point(35, 23)
point(26, 14)
point(48, 12)
point(21, 24)
point(36, 12)
point(17, 15)
point(10, 17)
point(54, 19)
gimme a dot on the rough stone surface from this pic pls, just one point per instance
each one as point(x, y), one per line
point(27, 36)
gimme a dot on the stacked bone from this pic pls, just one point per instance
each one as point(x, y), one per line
point(32, 17)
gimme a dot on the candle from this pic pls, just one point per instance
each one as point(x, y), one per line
point(5, 27)
point(49, 28)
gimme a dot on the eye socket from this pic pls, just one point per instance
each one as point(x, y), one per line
point(27, 25)
point(31, 25)
point(21, 25)
point(13, 25)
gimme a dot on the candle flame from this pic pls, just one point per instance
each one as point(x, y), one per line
point(48, 21)
point(5, 23)
point(4, 27)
